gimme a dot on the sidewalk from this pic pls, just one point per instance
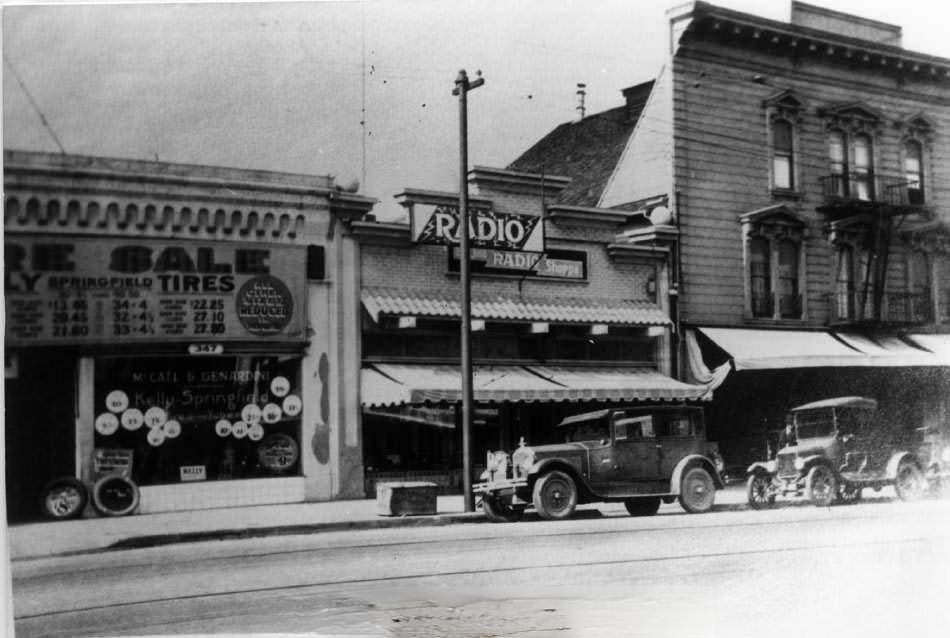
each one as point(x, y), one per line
point(36, 540)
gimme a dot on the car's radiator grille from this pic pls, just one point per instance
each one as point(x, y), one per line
point(786, 465)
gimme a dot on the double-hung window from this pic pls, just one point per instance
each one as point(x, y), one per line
point(913, 171)
point(783, 155)
point(851, 163)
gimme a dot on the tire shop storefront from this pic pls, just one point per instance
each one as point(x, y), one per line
point(567, 316)
point(168, 336)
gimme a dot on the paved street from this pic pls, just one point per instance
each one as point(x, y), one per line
point(878, 568)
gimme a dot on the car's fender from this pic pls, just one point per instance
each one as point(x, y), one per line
point(574, 469)
point(693, 459)
point(809, 462)
point(892, 464)
point(767, 467)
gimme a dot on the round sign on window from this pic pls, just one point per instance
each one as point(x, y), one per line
point(132, 419)
point(251, 414)
point(156, 436)
point(223, 428)
point(280, 386)
point(264, 305)
point(171, 429)
point(107, 423)
point(239, 429)
point(292, 405)
point(155, 417)
point(117, 400)
point(272, 413)
point(255, 432)
point(278, 452)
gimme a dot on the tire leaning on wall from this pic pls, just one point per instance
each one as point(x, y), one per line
point(63, 498)
point(115, 495)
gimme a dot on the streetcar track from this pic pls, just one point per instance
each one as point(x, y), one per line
point(443, 574)
point(435, 542)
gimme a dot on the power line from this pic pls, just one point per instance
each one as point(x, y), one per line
point(34, 104)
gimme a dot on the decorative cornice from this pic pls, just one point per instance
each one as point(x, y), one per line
point(411, 196)
point(661, 236)
point(350, 206)
point(803, 41)
point(587, 215)
point(380, 233)
point(50, 214)
point(484, 176)
point(627, 252)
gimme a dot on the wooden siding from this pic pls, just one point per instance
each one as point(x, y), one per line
point(644, 169)
point(721, 164)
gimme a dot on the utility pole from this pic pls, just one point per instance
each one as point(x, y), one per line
point(462, 87)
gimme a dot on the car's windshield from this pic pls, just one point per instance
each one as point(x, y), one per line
point(593, 430)
point(812, 423)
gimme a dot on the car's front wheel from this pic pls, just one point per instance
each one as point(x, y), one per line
point(499, 512)
point(697, 491)
point(555, 496)
point(759, 491)
point(642, 506)
point(909, 483)
point(821, 486)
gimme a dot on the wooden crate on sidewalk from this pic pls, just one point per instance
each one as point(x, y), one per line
point(406, 498)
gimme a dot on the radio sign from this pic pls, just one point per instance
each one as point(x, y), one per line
point(439, 224)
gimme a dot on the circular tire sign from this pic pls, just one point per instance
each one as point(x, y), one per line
point(264, 305)
point(278, 452)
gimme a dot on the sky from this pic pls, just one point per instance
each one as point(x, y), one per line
point(356, 90)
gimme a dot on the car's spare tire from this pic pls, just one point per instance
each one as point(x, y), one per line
point(63, 498)
point(115, 495)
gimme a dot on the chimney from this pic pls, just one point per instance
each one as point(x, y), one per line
point(581, 94)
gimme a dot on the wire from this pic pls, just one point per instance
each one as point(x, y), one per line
point(34, 104)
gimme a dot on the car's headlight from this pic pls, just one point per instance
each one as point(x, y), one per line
point(799, 463)
point(945, 455)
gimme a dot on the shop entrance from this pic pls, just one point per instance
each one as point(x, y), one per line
point(40, 427)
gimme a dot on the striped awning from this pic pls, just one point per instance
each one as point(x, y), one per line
point(400, 384)
point(752, 349)
point(396, 302)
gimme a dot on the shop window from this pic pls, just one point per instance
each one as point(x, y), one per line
point(200, 418)
point(783, 163)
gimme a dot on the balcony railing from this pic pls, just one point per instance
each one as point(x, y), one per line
point(896, 308)
point(871, 187)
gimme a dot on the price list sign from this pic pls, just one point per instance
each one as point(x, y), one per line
point(83, 290)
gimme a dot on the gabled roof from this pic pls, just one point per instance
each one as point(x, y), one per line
point(587, 150)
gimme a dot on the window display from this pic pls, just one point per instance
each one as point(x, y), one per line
point(190, 419)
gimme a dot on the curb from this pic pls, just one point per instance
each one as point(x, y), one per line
point(154, 540)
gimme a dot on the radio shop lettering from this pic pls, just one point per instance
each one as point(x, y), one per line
point(84, 290)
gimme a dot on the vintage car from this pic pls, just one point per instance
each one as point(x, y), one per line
point(842, 447)
point(636, 455)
